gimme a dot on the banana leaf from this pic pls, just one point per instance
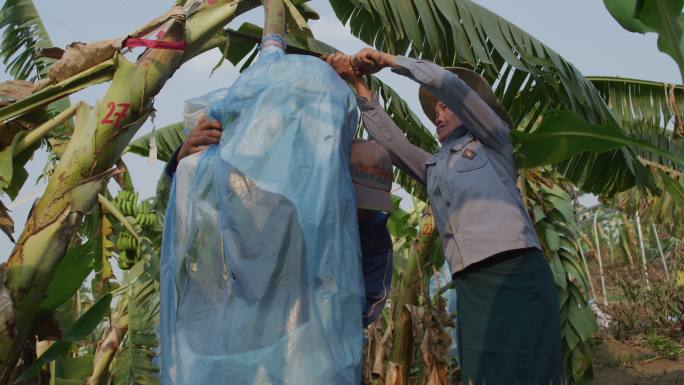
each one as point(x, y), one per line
point(168, 139)
point(79, 330)
point(663, 17)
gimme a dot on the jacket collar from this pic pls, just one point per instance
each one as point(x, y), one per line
point(455, 142)
point(457, 133)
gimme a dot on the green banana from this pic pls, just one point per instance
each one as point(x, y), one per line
point(124, 262)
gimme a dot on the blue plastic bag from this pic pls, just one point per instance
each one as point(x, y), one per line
point(261, 278)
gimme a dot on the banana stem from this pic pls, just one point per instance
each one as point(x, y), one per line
point(274, 14)
point(600, 260)
point(109, 206)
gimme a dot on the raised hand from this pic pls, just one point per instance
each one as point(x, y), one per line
point(369, 61)
point(206, 133)
point(342, 64)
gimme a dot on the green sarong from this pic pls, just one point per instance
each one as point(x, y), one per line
point(509, 321)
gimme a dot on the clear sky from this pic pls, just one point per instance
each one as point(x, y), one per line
point(580, 30)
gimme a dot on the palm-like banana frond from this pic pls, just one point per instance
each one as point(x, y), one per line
point(555, 221)
point(24, 34)
point(135, 360)
point(650, 111)
point(167, 138)
point(666, 209)
point(529, 77)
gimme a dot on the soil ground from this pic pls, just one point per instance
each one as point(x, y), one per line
point(619, 363)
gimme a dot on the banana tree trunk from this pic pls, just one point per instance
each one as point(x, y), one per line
point(625, 245)
point(586, 270)
point(100, 137)
point(402, 352)
point(106, 350)
point(609, 245)
point(660, 250)
point(643, 250)
point(600, 260)
point(625, 240)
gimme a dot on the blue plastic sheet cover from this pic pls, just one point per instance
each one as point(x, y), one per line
point(261, 277)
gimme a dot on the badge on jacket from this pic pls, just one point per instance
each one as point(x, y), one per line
point(468, 153)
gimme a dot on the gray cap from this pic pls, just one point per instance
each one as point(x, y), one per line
point(371, 172)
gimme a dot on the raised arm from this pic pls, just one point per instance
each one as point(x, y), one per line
point(482, 121)
point(408, 157)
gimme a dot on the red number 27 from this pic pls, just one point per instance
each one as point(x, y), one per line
point(119, 110)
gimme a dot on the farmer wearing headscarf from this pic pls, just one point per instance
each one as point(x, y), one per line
point(508, 309)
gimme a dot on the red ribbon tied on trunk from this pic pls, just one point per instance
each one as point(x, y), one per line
point(155, 44)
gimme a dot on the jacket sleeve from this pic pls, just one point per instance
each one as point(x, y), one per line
point(408, 157)
point(172, 164)
point(480, 119)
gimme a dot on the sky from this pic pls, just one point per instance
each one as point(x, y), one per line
point(582, 31)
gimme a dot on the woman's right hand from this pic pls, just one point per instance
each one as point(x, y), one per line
point(206, 133)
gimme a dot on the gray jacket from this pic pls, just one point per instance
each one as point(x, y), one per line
point(471, 180)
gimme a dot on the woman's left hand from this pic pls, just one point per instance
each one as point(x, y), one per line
point(342, 64)
point(369, 61)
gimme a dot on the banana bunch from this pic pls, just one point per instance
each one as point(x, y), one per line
point(128, 250)
point(126, 202)
point(141, 215)
point(145, 216)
